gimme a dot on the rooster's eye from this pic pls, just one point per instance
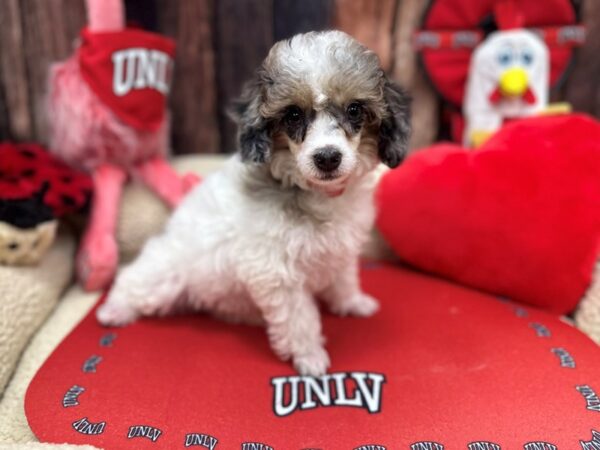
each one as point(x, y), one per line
point(527, 57)
point(505, 57)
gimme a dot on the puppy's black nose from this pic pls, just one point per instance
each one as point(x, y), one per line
point(327, 158)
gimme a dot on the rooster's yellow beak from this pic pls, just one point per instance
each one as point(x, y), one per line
point(513, 82)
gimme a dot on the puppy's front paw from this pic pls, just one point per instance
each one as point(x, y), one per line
point(115, 314)
point(360, 305)
point(314, 363)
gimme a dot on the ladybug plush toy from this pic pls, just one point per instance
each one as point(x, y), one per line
point(35, 190)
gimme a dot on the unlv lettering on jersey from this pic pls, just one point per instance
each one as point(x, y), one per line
point(140, 68)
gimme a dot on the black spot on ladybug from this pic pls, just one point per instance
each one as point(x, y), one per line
point(28, 173)
point(13, 246)
point(28, 154)
point(68, 200)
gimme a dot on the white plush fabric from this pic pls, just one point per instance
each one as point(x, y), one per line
point(587, 316)
point(27, 295)
point(13, 424)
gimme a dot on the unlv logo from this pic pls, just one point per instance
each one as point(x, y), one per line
point(140, 68)
point(203, 440)
point(426, 446)
point(591, 398)
point(71, 397)
point(84, 426)
point(255, 446)
point(144, 431)
point(594, 444)
point(539, 446)
point(566, 360)
point(90, 364)
point(358, 389)
point(483, 446)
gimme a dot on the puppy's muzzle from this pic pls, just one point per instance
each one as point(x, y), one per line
point(327, 159)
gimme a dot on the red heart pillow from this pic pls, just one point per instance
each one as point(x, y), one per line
point(519, 217)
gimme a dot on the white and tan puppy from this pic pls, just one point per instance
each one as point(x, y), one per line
point(283, 223)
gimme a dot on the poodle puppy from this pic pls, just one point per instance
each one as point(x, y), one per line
point(284, 221)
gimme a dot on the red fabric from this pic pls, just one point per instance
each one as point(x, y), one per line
point(508, 15)
point(448, 69)
point(520, 217)
point(143, 75)
point(529, 96)
point(496, 96)
point(457, 364)
point(24, 168)
point(457, 124)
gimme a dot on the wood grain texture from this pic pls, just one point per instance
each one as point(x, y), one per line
point(142, 13)
point(193, 96)
point(244, 34)
point(408, 73)
point(5, 127)
point(371, 22)
point(50, 28)
point(583, 86)
point(292, 17)
point(220, 44)
point(15, 116)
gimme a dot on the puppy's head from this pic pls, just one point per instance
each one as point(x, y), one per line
point(322, 113)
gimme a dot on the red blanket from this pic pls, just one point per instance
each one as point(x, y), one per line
point(440, 367)
point(520, 217)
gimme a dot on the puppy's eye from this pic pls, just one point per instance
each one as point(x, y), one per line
point(355, 112)
point(293, 116)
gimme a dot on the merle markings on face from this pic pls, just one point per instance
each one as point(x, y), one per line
point(321, 106)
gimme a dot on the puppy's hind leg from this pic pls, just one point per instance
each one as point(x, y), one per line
point(149, 286)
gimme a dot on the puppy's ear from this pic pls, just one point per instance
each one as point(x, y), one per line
point(394, 130)
point(254, 134)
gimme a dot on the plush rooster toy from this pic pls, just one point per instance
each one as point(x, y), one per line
point(508, 78)
point(107, 111)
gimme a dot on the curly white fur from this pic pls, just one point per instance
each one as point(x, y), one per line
point(257, 243)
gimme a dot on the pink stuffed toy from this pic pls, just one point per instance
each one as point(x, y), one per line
point(107, 111)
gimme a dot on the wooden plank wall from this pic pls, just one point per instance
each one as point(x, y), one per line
point(220, 43)
point(33, 33)
point(583, 86)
